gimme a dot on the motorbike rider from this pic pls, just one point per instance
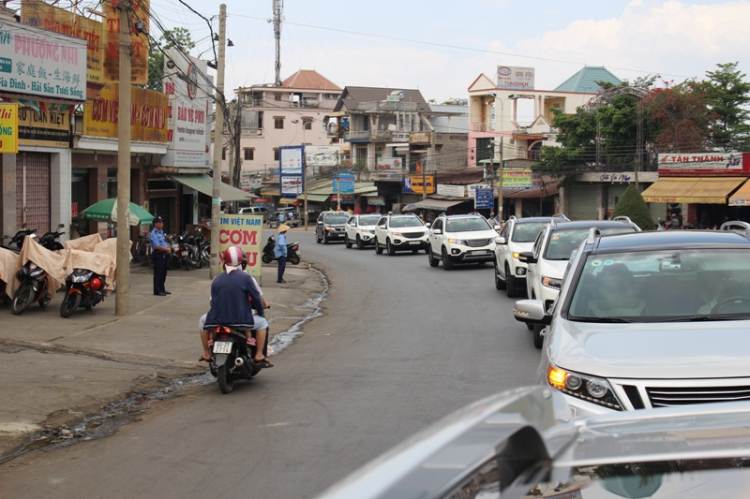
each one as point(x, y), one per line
point(230, 306)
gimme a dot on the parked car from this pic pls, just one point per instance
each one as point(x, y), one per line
point(655, 319)
point(517, 235)
point(255, 210)
point(291, 217)
point(522, 444)
point(360, 230)
point(330, 226)
point(457, 239)
point(400, 233)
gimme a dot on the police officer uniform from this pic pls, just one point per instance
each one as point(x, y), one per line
point(160, 258)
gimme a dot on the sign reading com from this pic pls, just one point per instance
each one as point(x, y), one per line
point(246, 232)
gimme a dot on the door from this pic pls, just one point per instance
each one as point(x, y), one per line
point(33, 191)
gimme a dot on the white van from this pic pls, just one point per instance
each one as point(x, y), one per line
point(255, 210)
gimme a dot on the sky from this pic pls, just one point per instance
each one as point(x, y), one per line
point(441, 46)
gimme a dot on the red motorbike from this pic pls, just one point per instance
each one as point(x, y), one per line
point(84, 289)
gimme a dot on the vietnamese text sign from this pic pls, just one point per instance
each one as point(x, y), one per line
point(419, 138)
point(418, 184)
point(322, 155)
point(139, 41)
point(245, 231)
point(43, 128)
point(730, 163)
point(189, 91)
point(515, 78)
point(458, 191)
point(9, 128)
point(291, 171)
point(344, 184)
point(521, 179)
point(484, 198)
point(148, 114)
point(49, 18)
point(38, 62)
point(390, 169)
point(290, 185)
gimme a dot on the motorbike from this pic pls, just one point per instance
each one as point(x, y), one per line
point(175, 256)
point(84, 289)
point(231, 357)
point(49, 240)
point(33, 288)
point(16, 242)
point(203, 248)
point(188, 253)
point(292, 252)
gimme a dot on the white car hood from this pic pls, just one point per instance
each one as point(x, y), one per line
point(553, 268)
point(473, 234)
point(680, 350)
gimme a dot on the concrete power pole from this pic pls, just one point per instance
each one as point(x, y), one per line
point(122, 294)
point(218, 144)
point(277, 19)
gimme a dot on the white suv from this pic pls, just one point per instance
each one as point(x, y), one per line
point(518, 235)
point(461, 239)
point(400, 233)
point(360, 230)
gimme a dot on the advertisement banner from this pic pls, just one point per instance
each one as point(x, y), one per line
point(417, 184)
point(484, 198)
point(148, 114)
point(390, 169)
point(41, 15)
point(291, 171)
point(419, 138)
point(245, 231)
point(515, 78)
point(9, 128)
point(704, 164)
point(344, 184)
point(190, 93)
point(290, 185)
point(139, 41)
point(42, 63)
point(43, 128)
point(458, 191)
point(376, 201)
point(322, 155)
point(521, 179)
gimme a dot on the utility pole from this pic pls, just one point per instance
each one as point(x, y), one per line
point(499, 150)
point(277, 18)
point(218, 144)
point(122, 294)
point(237, 134)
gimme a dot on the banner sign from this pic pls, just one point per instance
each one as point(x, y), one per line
point(190, 94)
point(390, 169)
point(148, 114)
point(291, 171)
point(345, 198)
point(43, 128)
point(484, 198)
point(419, 138)
point(458, 191)
point(42, 63)
point(705, 164)
point(344, 184)
point(418, 184)
point(322, 155)
point(515, 78)
point(376, 201)
point(245, 231)
point(41, 15)
point(9, 128)
point(140, 12)
point(521, 179)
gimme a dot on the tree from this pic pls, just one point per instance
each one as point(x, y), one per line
point(178, 37)
point(727, 95)
point(633, 206)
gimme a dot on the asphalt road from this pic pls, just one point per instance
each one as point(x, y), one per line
point(400, 346)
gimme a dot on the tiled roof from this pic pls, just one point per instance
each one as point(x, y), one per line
point(353, 95)
point(309, 79)
point(585, 80)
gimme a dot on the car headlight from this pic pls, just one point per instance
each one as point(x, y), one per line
point(397, 234)
point(458, 241)
point(551, 282)
point(329, 228)
point(516, 255)
point(371, 231)
point(589, 388)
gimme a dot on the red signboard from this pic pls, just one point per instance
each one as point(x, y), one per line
point(705, 164)
point(74, 210)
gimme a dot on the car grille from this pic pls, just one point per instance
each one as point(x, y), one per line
point(475, 243)
point(667, 397)
point(413, 235)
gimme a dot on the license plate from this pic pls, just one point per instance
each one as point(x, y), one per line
point(223, 347)
point(415, 242)
point(480, 252)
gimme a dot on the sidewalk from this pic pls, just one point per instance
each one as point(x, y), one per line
point(56, 371)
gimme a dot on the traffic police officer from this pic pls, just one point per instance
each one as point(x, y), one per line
point(160, 253)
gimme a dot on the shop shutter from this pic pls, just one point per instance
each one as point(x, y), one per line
point(33, 191)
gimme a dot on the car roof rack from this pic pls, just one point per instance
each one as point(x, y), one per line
point(736, 226)
point(560, 215)
point(593, 235)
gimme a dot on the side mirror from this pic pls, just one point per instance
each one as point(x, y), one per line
point(527, 257)
point(437, 232)
point(500, 240)
point(531, 312)
point(427, 224)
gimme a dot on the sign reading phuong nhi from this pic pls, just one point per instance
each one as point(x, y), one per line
point(41, 63)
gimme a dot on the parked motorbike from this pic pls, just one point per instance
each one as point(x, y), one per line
point(175, 256)
point(84, 289)
point(203, 248)
point(16, 242)
point(49, 240)
point(231, 357)
point(292, 252)
point(188, 252)
point(33, 288)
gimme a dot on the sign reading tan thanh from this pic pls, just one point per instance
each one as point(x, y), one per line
point(148, 114)
point(139, 41)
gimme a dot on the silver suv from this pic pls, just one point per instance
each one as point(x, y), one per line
point(460, 239)
point(518, 235)
point(400, 233)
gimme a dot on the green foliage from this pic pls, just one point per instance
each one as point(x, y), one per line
point(178, 37)
point(632, 205)
point(727, 95)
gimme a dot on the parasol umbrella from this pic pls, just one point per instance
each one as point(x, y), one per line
point(410, 207)
point(107, 211)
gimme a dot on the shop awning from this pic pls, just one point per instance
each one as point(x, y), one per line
point(438, 204)
point(313, 198)
point(741, 197)
point(269, 192)
point(706, 190)
point(205, 184)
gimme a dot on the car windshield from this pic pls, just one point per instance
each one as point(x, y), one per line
point(373, 220)
point(563, 242)
point(406, 222)
point(527, 232)
point(664, 286)
point(336, 219)
point(466, 225)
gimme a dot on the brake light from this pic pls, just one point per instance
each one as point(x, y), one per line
point(222, 329)
point(295, 247)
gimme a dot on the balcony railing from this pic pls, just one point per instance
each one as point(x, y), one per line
point(387, 107)
point(374, 135)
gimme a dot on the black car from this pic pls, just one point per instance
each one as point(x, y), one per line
point(331, 226)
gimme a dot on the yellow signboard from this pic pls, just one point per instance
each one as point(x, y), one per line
point(245, 231)
point(9, 128)
point(139, 41)
point(419, 184)
point(41, 15)
point(43, 127)
point(148, 114)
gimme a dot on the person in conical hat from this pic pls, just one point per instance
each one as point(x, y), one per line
point(280, 251)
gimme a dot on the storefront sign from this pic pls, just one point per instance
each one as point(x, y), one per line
point(43, 128)
point(139, 41)
point(376, 201)
point(8, 128)
point(484, 198)
point(390, 169)
point(515, 78)
point(344, 184)
point(704, 164)
point(245, 231)
point(41, 15)
point(291, 168)
point(458, 191)
point(74, 210)
point(345, 198)
point(148, 114)
point(418, 184)
point(42, 63)
point(521, 179)
point(322, 155)
point(419, 138)
point(189, 91)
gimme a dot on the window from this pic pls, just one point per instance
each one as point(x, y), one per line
point(275, 153)
point(277, 96)
point(223, 153)
point(249, 154)
point(278, 122)
point(307, 123)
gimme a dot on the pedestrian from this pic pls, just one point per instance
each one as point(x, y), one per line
point(282, 217)
point(674, 223)
point(160, 252)
point(280, 252)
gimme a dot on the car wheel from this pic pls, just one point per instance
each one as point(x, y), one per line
point(434, 262)
point(538, 338)
point(389, 248)
point(529, 326)
point(499, 283)
point(378, 249)
point(447, 264)
point(360, 244)
point(511, 284)
point(347, 242)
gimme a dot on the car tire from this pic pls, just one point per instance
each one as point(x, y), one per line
point(499, 283)
point(538, 338)
point(434, 262)
point(378, 249)
point(389, 248)
point(447, 264)
point(511, 284)
point(529, 326)
point(347, 242)
point(360, 244)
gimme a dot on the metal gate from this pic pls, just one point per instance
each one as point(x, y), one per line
point(33, 191)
